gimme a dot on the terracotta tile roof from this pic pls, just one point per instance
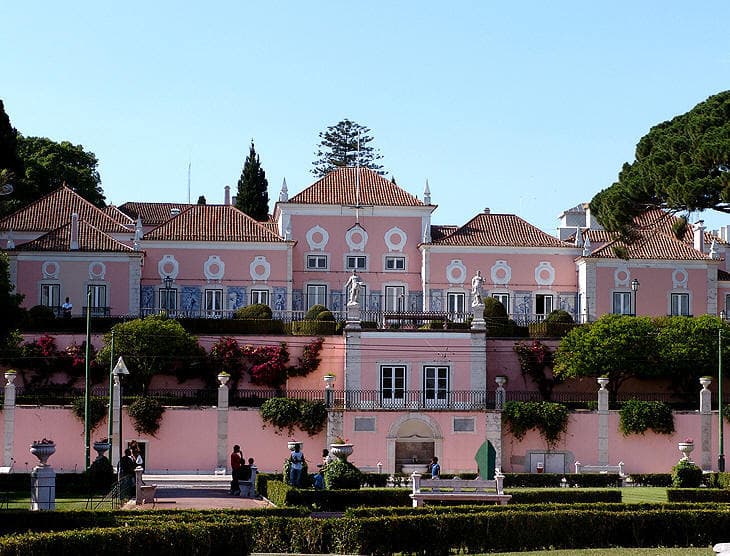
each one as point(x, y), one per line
point(651, 245)
point(89, 239)
point(118, 215)
point(152, 214)
point(503, 230)
point(271, 226)
point(722, 275)
point(439, 231)
point(212, 223)
point(338, 188)
point(54, 210)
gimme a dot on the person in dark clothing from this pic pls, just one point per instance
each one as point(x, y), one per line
point(236, 463)
point(127, 485)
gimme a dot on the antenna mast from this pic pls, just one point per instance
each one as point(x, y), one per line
point(189, 163)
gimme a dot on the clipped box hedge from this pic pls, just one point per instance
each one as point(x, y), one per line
point(541, 480)
point(282, 494)
point(313, 328)
point(698, 495)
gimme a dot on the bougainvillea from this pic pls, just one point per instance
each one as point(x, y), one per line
point(269, 364)
point(309, 361)
point(227, 356)
point(535, 358)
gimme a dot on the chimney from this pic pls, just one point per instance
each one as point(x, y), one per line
point(227, 195)
point(699, 236)
point(487, 211)
point(74, 246)
point(174, 211)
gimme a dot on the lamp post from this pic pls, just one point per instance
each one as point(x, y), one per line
point(120, 369)
point(720, 436)
point(168, 287)
point(87, 432)
point(635, 288)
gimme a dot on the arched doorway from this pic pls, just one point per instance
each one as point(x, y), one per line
point(413, 440)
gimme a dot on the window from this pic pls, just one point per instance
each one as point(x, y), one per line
point(543, 304)
point(680, 304)
point(316, 262)
point(260, 296)
point(213, 303)
point(622, 303)
point(98, 305)
point(455, 306)
point(395, 263)
point(395, 298)
point(392, 385)
point(316, 295)
point(503, 298)
point(356, 262)
point(168, 299)
point(436, 386)
point(51, 295)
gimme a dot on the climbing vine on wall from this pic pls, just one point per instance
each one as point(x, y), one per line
point(550, 419)
point(536, 359)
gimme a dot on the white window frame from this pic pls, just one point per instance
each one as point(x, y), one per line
point(165, 296)
point(260, 295)
point(622, 303)
point(48, 292)
point(318, 258)
point(436, 385)
point(456, 306)
point(683, 308)
point(393, 385)
point(358, 257)
point(213, 302)
point(398, 263)
point(316, 294)
point(394, 298)
point(96, 299)
point(503, 298)
point(545, 311)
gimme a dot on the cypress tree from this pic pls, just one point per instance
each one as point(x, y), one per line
point(253, 197)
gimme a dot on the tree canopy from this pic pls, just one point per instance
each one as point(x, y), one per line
point(9, 302)
point(346, 143)
point(151, 346)
point(252, 196)
point(680, 165)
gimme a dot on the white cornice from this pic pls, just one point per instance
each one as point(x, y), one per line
point(302, 209)
point(217, 245)
point(499, 250)
point(78, 256)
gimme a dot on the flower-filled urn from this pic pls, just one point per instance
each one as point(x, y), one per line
point(43, 449)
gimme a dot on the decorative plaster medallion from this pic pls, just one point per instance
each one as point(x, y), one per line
point(544, 274)
point(260, 268)
point(395, 239)
point(214, 268)
point(621, 276)
point(679, 278)
point(168, 266)
point(456, 272)
point(317, 238)
point(50, 270)
point(356, 238)
point(501, 272)
point(97, 270)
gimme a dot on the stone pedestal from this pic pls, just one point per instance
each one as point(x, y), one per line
point(706, 421)
point(354, 316)
point(9, 419)
point(603, 421)
point(43, 488)
point(478, 323)
point(222, 459)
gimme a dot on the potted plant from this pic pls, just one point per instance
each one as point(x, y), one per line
point(101, 446)
point(341, 448)
point(329, 380)
point(686, 448)
point(43, 449)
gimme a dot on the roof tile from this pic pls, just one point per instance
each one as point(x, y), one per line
point(89, 239)
point(501, 230)
point(152, 214)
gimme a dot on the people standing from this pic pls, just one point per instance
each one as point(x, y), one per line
point(297, 464)
point(67, 308)
point(126, 475)
point(236, 463)
point(434, 468)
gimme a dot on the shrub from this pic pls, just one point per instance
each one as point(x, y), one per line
point(686, 475)
point(287, 413)
point(326, 315)
point(636, 417)
point(314, 311)
point(146, 414)
point(97, 410)
point(254, 311)
point(550, 419)
point(698, 495)
point(313, 328)
point(340, 475)
point(651, 479)
point(41, 312)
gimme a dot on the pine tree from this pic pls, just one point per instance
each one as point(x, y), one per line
point(201, 200)
point(253, 197)
point(9, 159)
point(339, 148)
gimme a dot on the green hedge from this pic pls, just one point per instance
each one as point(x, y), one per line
point(233, 326)
point(66, 483)
point(282, 494)
point(586, 480)
point(550, 329)
point(313, 328)
point(651, 479)
point(698, 495)
point(563, 496)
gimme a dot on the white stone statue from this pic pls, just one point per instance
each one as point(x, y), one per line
point(353, 286)
point(476, 289)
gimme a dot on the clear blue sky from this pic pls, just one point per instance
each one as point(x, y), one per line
point(523, 107)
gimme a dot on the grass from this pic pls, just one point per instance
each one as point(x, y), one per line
point(639, 495)
point(617, 552)
point(21, 501)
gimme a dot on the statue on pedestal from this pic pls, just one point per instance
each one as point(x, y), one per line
point(353, 287)
point(476, 289)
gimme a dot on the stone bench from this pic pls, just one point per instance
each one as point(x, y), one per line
point(478, 490)
point(605, 469)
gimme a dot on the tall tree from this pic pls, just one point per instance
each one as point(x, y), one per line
point(253, 196)
point(9, 302)
point(11, 167)
point(346, 143)
point(680, 165)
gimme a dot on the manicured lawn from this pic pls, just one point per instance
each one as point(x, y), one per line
point(21, 501)
point(617, 552)
point(636, 495)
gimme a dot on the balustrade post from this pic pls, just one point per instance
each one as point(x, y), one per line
point(603, 421)
point(9, 418)
point(706, 424)
point(222, 412)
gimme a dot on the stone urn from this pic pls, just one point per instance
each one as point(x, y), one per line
point(329, 381)
point(43, 451)
point(101, 447)
point(686, 449)
point(341, 451)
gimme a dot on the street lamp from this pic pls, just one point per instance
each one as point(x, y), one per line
point(635, 288)
point(167, 280)
point(120, 370)
point(721, 448)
